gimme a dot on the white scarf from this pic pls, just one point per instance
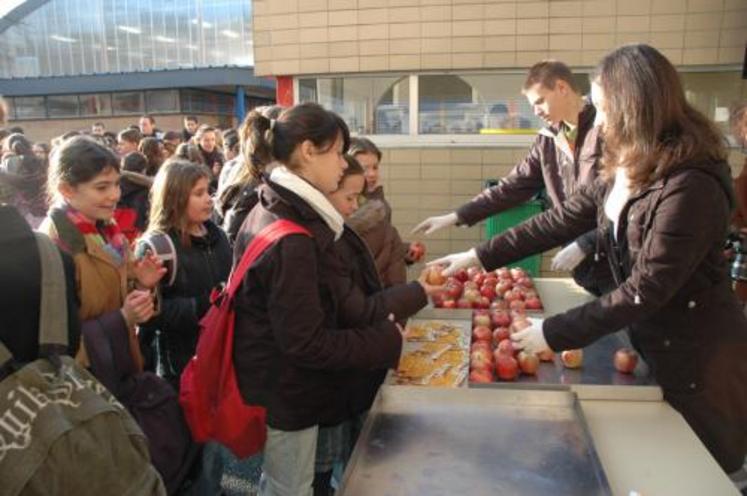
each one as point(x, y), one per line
point(618, 197)
point(315, 198)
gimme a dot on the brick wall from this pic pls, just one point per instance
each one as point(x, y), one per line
point(341, 36)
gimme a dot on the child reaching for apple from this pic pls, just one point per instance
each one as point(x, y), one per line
point(373, 221)
point(363, 302)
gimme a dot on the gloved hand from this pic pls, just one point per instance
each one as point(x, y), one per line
point(433, 224)
point(568, 258)
point(532, 338)
point(452, 263)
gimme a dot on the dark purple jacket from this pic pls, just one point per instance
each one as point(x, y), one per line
point(288, 347)
point(674, 293)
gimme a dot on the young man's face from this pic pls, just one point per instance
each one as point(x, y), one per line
point(146, 126)
point(550, 105)
point(190, 125)
point(98, 130)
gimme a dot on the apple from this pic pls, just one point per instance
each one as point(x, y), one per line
point(481, 319)
point(530, 293)
point(506, 367)
point(488, 292)
point(499, 305)
point(506, 347)
point(481, 376)
point(572, 359)
point(480, 344)
point(471, 295)
point(528, 363)
point(470, 285)
point(417, 250)
point(533, 304)
point(546, 356)
point(453, 289)
point(517, 273)
point(482, 333)
point(481, 359)
point(513, 295)
point(626, 360)
point(524, 282)
point(435, 276)
point(502, 287)
point(479, 279)
point(517, 306)
point(463, 303)
point(482, 303)
point(503, 273)
point(461, 275)
point(438, 299)
point(473, 271)
point(501, 333)
point(450, 304)
point(500, 318)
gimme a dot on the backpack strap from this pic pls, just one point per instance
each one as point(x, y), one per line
point(53, 306)
point(160, 244)
point(266, 237)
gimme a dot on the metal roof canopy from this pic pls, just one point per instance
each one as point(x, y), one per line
point(133, 81)
point(14, 15)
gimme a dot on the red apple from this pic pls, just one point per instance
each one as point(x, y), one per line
point(417, 250)
point(481, 359)
point(501, 333)
point(517, 306)
point(572, 359)
point(626, 360)
point(435, 276)
point(533, 304)
point(481, 376)
point(461, 275)
point(473, 271)
point(502, 287)
point(463, 303)
point(500, 318)
point(546, 355)
point(482, 333)
point(513, 295)
point(449, 304)
point(516, 273)
point(528, 363)
point(453, 289)
point(490, 280)
point(481, 319)
point(480, 344)
point(470, 285)
point(471, 295)
point(482, 303)
point(503, 273)
point(525, 282)
point(488, 292)
point(479, 278)
point(438, 299)
point(506, 347)
point(506, 367)
point(499, 305)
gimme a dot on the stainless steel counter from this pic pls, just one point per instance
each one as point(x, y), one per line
point(432, 442)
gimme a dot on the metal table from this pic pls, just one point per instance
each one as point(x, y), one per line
point(433, 441)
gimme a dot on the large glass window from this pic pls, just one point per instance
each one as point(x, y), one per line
point(96, 104)
point(62, 105)
point(714, 93)
point(162, 101)
point(128, 103)
point(474, 104)
point(70, 37)
point(369, 105)
point(29, 107)
point(206, 102)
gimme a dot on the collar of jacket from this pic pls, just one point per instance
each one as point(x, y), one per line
point(70, 239)
point(286, 204)
point(585, 124)
point(210, 239)
point(376, 194)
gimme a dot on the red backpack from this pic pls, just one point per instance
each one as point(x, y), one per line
point(210, 397)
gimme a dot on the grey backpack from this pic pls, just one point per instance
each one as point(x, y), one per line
point(61, 431)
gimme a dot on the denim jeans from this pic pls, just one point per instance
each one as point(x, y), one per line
point(288, 468)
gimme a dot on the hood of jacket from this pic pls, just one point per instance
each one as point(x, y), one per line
point(369, 215)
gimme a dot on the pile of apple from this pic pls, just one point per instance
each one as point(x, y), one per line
point(492, 354)
point(503, 289)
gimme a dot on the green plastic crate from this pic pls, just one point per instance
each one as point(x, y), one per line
point(507, 219)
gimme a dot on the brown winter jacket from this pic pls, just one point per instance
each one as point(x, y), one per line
point(288, 348)
point(674, 294)
point(373, 222)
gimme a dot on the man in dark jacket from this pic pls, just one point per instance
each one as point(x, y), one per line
point(563, 157)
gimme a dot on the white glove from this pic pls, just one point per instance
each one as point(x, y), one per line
point(433, 224)
point(531, 339)
point(568, 258)
point(452, 263)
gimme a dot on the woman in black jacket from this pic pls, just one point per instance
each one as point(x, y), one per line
point(288, 346)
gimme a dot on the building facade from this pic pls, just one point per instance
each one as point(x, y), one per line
point(436, 83)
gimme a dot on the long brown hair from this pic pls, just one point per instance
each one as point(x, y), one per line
point(650, 128)
point(169, 196)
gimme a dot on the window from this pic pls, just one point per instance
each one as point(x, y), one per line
point(62, 105)
point(128, 103)
point(369, 105)
point(206, 102)
point(474, 104)
point(713, 93)
point(96, 104)
point(162, 101)
point(29, 107)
